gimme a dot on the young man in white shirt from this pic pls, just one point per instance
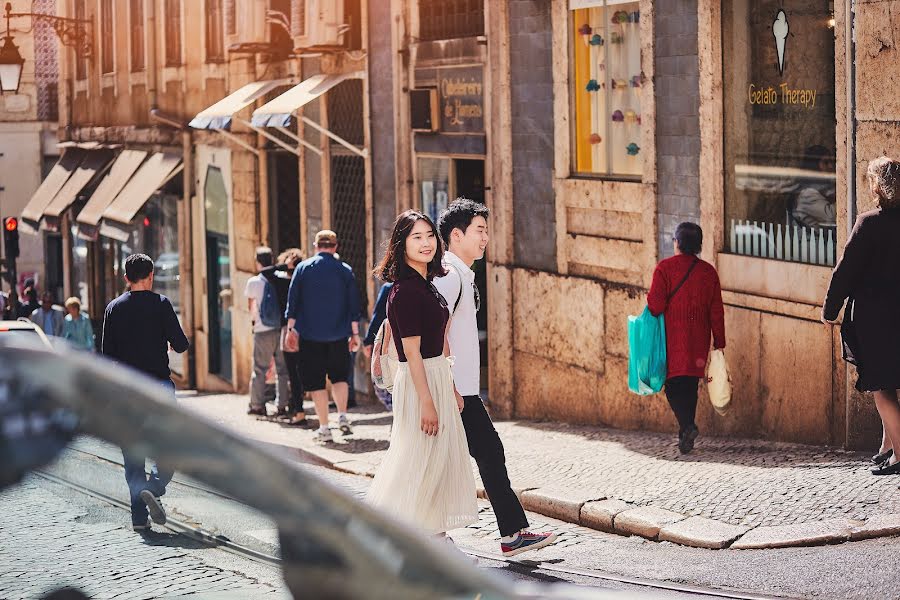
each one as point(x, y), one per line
point(464, 229)
point(266, 344)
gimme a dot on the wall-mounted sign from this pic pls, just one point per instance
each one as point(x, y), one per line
point(461, 99)
point(782, 93)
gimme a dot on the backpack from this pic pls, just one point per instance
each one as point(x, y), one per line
point(270, 309)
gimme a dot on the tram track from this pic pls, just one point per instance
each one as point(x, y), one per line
point(536, 569)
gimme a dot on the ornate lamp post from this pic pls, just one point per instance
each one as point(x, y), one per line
point(71, 32)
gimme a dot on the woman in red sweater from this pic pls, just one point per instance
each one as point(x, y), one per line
point(686, 290)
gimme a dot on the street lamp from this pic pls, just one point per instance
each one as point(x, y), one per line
point(10, 61)
point(71, 32)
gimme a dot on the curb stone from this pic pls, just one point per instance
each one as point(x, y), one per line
point(619, 517)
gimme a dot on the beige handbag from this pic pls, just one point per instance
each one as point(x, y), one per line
point(718, 382)
point(385, 359)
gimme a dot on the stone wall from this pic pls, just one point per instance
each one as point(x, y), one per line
point(678, 128)
point(531, 91)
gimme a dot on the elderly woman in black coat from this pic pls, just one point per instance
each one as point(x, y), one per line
point(869, 275)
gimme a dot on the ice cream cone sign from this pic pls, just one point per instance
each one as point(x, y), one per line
point(780, 31)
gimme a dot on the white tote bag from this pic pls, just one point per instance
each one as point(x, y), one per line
point(385, 359)
point(718, 382)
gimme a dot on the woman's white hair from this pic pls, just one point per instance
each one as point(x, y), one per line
point(884, 175)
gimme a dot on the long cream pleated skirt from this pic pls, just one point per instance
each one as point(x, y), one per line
point(426, 480)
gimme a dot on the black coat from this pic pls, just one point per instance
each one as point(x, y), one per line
point(869, 272)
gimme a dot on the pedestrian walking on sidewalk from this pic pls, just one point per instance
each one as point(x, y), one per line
point(279, 276)
point(138, 329)
point(265, 319)
point(379, 314)
point(48, 316)
point(868, 274)
point(425, 478)
point(686, 290)
point(77, 326)
point(323, 322)
point(464, 230)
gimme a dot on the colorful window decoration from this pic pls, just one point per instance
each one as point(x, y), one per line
point(606, 87)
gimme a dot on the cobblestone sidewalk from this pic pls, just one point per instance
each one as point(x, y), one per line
point(45, 545)
point(767, 494)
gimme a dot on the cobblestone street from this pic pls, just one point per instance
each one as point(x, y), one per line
point(740, 482)
point(48, 542)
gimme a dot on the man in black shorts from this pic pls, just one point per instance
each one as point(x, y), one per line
point(323, 315)
point(138, 328)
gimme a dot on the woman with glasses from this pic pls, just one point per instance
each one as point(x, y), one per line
point(425, 477)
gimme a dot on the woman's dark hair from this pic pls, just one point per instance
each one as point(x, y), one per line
point(393, 266)
point(689, 237)
point(459, 215)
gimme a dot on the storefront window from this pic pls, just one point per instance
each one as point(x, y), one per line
point(434, 185)
point(605, 45)
point(80, 273)
point(780, 129)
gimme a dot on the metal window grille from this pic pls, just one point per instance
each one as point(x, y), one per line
point(298, 17)
point(348, 215)
point(345, 116)
point(230, 17)
point(173, 33)
point(448, 19)
point(215, 42)
point(46, 67)
point(107, 64)
point(137, 35)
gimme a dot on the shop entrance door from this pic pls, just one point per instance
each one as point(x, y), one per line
point(218, 273)
point(470, 184)
point(284, 201)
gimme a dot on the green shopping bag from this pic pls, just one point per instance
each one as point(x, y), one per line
point(646, 353)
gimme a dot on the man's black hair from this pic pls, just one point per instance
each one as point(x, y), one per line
point(689, 237)
point(459, 215)
point(264, 256)
point(138, 267)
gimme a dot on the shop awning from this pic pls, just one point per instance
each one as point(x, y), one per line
point(277, 113)
point(92, 165)
point(219, 115)
point(125, 165)
point(46, 192)
point(153, 174)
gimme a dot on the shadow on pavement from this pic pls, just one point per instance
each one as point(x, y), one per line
point(172, 540)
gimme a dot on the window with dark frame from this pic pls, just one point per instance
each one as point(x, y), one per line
point(173, 33)
point(137, 35)
point(282, 43)
point(80, 60)
point(215, 39)
point(107, 64)
point(449, 19)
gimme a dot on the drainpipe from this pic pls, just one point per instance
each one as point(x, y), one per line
point(186, 260)
point(850, 59)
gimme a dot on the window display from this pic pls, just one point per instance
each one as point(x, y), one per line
point(434, 185)
point(606, 87)
point(780, 130)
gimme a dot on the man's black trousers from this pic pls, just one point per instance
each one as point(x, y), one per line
point(487, 450)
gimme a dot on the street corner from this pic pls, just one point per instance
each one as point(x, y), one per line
point(700, 532)
point(814, 533)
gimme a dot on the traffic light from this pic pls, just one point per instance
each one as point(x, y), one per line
point(11, 237)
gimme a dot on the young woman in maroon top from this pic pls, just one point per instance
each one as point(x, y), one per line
point(692, 311)
point(425, 477)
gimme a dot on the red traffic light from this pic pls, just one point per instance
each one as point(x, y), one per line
point(11, 224)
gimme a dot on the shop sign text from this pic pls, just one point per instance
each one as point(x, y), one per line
point(783, 94)
point(462, 99)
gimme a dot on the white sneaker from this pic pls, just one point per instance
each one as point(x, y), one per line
point(324, 436)
point(344, 425)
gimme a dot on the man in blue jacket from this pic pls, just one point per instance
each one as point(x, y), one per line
point(323, 315)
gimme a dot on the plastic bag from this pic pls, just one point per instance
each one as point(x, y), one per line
point(718, 382)
point(646, 353)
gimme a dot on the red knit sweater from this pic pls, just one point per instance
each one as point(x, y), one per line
point(693, 313)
